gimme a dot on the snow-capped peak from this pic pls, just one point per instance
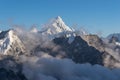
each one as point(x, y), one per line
point(10, 43)
point(59, 18)
point(59, 23)
point(34, 30)
point(56, 26)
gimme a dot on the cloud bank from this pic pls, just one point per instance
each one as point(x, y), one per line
point(49, 68)
point(46, 67)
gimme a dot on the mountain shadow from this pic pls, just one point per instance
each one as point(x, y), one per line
point(78, 50)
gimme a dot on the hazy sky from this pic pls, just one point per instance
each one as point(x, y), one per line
point(93, 15)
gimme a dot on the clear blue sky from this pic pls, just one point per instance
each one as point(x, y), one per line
point(93, 15)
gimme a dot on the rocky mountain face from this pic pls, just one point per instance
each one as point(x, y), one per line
point(10, 75)
point(78, 50)
point(115, 35)
point(110, 50)
point(10, 69)
point(114, 38)
point(95, 41)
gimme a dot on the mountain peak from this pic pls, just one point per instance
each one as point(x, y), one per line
point(58, 18)
point(10, 43)
point(56, 26)
point(34, 30)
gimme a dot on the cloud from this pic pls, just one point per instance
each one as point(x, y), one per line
point(46, 67)
point(65, 69)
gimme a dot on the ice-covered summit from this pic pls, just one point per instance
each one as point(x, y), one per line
point(56, 26)
point(10, 43)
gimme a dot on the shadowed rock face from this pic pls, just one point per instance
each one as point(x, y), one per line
point(10, 69)
point(3, 34)
point(113, 39)
point(10, 75)
point(79, 51)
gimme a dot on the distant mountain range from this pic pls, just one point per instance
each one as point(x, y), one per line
point(59, 41)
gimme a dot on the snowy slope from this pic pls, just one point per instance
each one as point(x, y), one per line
point(10, 43)
point(56, 26)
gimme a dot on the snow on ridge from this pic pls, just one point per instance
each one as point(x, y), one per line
point(9, 40)
point(56, 26)
point(60, 23)
point(4, 42)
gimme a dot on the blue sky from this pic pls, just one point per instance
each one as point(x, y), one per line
point(94, 15)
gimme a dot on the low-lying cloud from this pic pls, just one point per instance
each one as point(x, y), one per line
point(46, 67)
point(49, 68)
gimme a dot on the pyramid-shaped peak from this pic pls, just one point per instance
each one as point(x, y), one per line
point(58, 23)
point(58, 18)
point(56, 26)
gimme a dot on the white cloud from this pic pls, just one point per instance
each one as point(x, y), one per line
point(65, 69)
